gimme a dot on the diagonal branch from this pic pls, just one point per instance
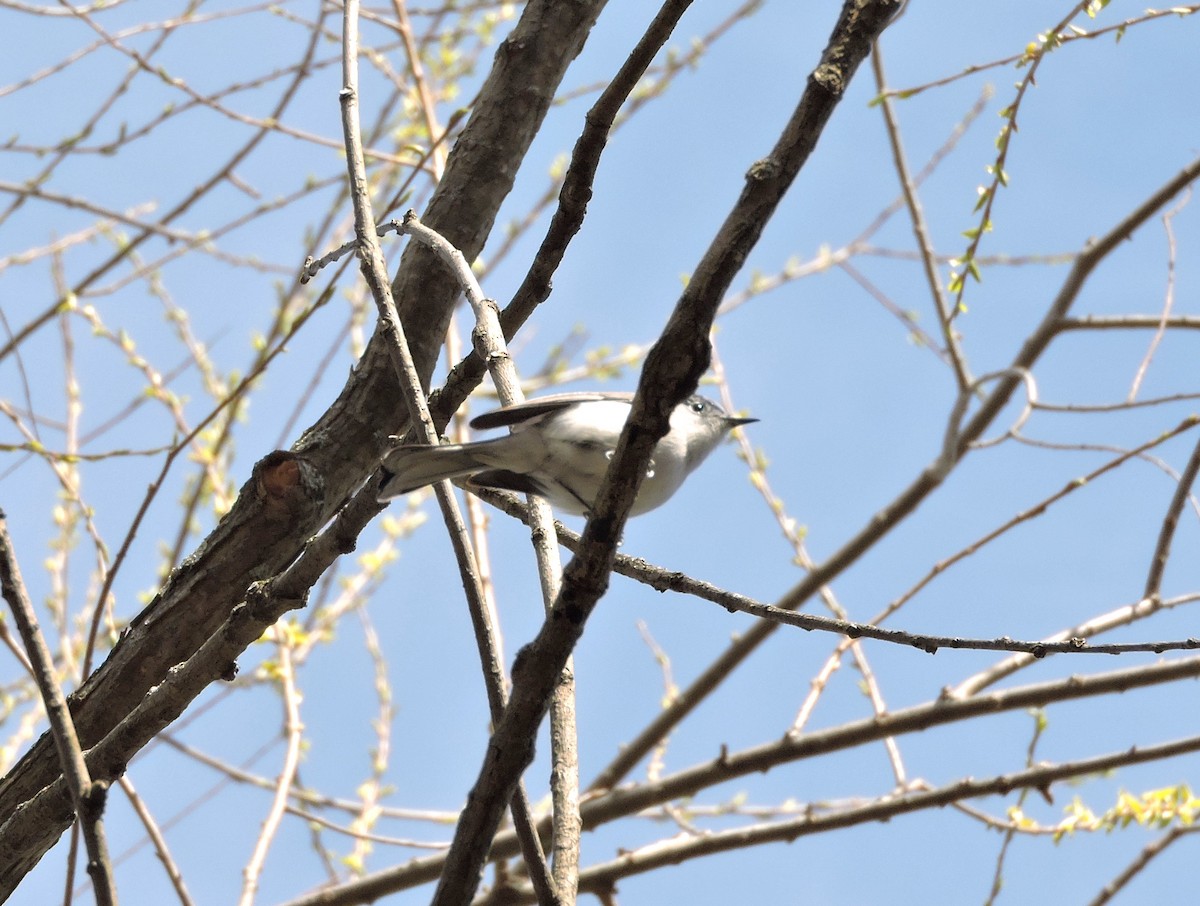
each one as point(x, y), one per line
point(672, 371)
point(86, 796)
point(290, 496)
point(622, 802)
point(1162, 550)
point(911, 497)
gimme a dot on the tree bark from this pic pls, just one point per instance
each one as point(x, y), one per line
point(291, 495)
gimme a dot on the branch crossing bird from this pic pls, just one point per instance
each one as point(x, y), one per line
point(559, 448)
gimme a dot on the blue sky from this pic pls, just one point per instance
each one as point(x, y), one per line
point(851, 410)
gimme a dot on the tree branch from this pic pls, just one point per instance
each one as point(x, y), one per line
point(911, 497)
point(87, 796)
point(672, 371)
point(265, 530)
point(619, 803)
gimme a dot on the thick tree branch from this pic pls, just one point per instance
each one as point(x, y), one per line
point(269, 524)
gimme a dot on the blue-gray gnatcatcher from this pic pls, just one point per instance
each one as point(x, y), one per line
point(559, 448)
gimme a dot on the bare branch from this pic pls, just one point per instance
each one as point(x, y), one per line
point(908, 500)
point(672, 370)
point(612, 804)
point(1162, 550)
point(374, 271)
point(293, 731)
point(87, 796)
point(672, 852)
point(270, 523)
point(1149, 853)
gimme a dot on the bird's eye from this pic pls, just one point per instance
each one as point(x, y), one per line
point(698, 406)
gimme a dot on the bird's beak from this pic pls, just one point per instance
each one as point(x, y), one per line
point(737, 422)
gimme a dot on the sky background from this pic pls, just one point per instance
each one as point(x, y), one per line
point(850, 409)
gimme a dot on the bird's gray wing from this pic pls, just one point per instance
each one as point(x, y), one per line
point(542, 405)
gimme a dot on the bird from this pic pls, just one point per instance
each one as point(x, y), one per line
point(559, 448)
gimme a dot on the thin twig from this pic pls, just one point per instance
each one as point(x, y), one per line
point(293, 732)
point(685, 847)
point(1168, 300)
point(828, 598)
point(672, 370)
point(919, 226)
point(374, 271)
point(1149, 853)
point(490, 343)
point(1031, 512)
point(921, 487)
point(1162, 549)
point(967, 263)
point(1010, 832)
point(87, 797)
point(725, 766)
point(154, 832)
point(200, 191)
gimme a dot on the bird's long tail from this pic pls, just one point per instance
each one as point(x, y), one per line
point(414, 466)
